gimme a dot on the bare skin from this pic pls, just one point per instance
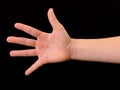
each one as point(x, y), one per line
point(49, 47)
point(58, 46)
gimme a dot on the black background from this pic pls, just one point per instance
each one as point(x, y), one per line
point(82, 19)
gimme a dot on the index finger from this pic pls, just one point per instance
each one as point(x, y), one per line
point(28, 29)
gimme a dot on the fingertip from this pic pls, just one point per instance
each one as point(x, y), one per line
point(11, 53)
point(50, 11)
point(8, 38)
point(27, 73)
point(17, 24)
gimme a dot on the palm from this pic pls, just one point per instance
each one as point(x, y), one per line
point(49, 47)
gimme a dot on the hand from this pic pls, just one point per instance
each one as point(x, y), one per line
point(49, 47)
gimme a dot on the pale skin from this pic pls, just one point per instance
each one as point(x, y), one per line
point(58, 46)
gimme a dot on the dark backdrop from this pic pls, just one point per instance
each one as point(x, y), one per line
point(82, 19)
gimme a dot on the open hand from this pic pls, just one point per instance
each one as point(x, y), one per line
point(49, 47)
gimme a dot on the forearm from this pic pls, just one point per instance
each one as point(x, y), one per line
point(100, 50)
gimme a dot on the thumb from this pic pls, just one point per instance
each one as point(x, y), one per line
point(53, 19)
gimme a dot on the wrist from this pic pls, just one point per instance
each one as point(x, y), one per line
point(73, 41)
point(78, 49)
